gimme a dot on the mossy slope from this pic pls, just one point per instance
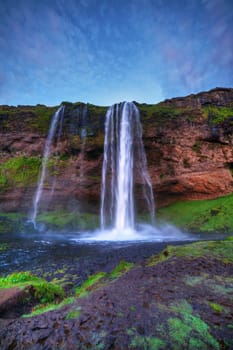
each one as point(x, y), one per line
point(214, 215)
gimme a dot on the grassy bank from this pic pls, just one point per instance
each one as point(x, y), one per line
point(213, 215)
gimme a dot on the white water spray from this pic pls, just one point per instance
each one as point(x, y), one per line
point(83, 136)
point(58, 115)
point(123, 153)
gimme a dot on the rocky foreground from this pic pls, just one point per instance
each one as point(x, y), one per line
point(179, 299)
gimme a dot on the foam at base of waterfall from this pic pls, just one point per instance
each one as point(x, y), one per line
point(143, 232)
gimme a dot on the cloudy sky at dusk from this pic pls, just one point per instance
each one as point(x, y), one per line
point(106, 51)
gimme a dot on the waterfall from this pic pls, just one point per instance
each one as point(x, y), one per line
point(83, 136)
point(58, 115)
point(124, 155)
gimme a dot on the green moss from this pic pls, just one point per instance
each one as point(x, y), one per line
point(73, 313)
point(27, 118)
point(147, 343)
point(189, 331)
point(218, 115)
point(159, 111)
point(222, 250)
point(213, 215)
point(19, 172)
point(120, 269)
point(61, 219)
point(101, 278)
point(42, 308)
point(216, 307)
point(44, 291)
point(88, 285)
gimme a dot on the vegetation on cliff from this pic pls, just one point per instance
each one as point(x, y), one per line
point(213, 215)
point(19, 172)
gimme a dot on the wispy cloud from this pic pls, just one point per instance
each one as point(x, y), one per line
point(106, 50)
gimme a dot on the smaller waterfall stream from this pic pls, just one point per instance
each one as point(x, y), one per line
point(83, 136)
point(58, 115)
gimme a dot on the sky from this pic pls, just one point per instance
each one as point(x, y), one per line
point(107, 51)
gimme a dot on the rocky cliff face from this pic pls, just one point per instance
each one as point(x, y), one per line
point(188, 141)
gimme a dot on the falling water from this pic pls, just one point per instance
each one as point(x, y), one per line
point(123, 154)
point(58, 115)
point(83, 136)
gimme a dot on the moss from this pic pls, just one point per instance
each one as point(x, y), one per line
point(159, 111)
point(19, 172)
point(120, 269)
point(42, 308)
point(189, 331)
point(27, 118)
point(73, 313)
point(101, 278)
point(73, 220)
point(44, 291)
point(221, 250)
point(218, 115)
point(88, 285)
point(216, 307)
point(214, 215)
point(149, 343)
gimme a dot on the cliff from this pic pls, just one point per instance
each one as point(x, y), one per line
point(188, 142)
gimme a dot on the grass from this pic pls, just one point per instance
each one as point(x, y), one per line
point(216, 307)
point(218, 115)
point(189, 331)
point(62, 219)
point(40, 309)
point(19, 172)
point(33, 118)
point(214, 215)
point(44, 291)
point(86, 287)
point(93, 281)
point(120, 269)
point(221, 250)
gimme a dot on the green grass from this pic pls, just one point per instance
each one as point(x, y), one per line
point(216, 307)
point(218, 115)
point(147, 343)
point(40, 309)
point(101, 278)
point(189, 331)
point(44, 291)
point(73, 314)
point(62, 219)
point(160, 111)
point(87, 285)
point(33, 118)
point(221, 250)
point(19, 172)
point(214, 215)
point(120, 269)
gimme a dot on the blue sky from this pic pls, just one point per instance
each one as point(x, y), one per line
point(106, 51)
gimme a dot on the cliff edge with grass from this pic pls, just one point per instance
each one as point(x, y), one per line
point(189, 147)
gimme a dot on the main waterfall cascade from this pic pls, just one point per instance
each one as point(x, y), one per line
point(124, 159)
point(56, 126)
